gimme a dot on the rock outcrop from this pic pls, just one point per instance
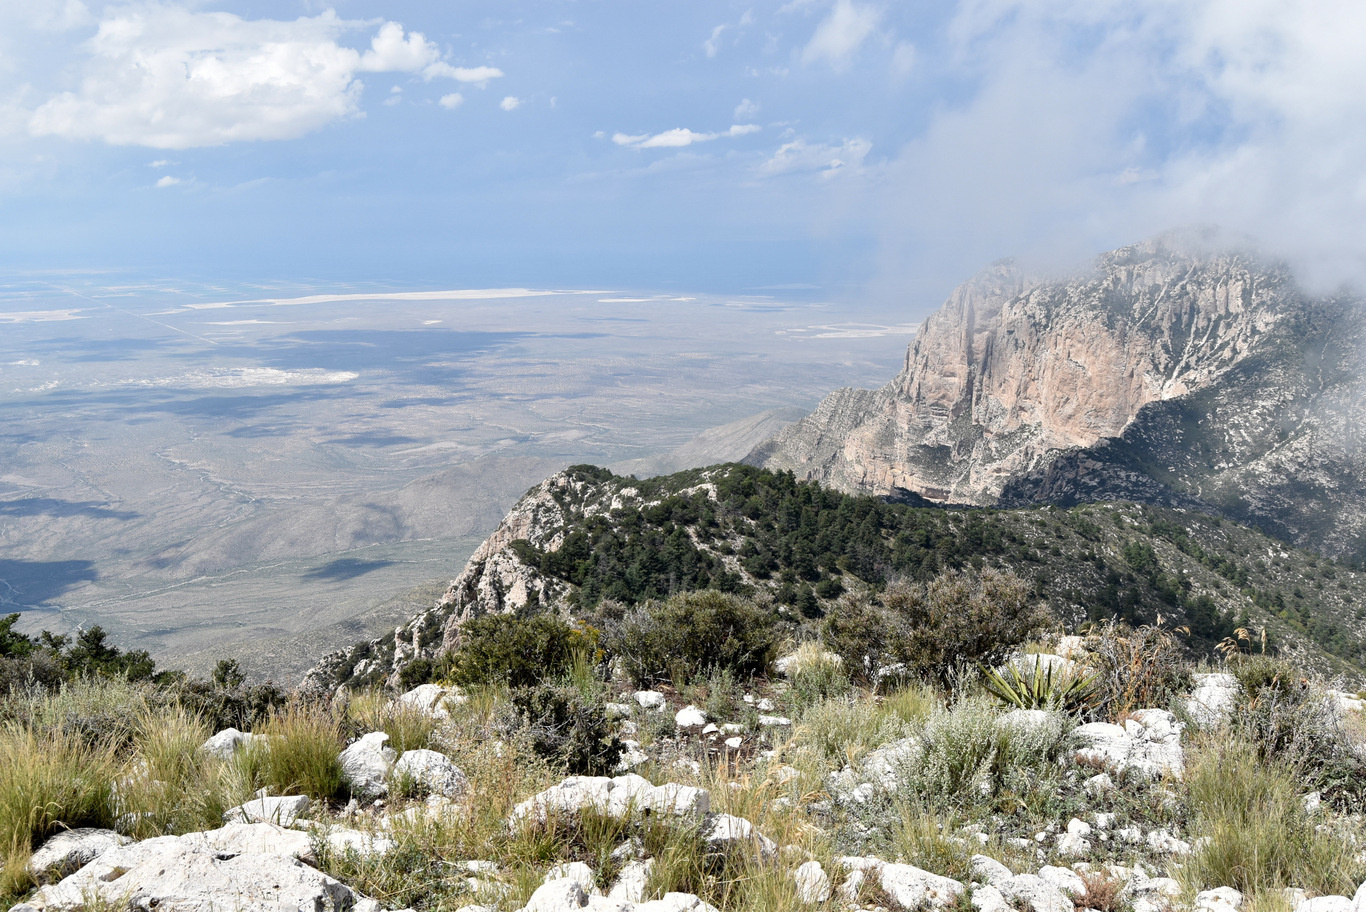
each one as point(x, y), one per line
point(1171, 374)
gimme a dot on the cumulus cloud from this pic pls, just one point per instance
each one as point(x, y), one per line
point(746, 110)
point(170, 77)
point(839, 35)
point(452, 101)
point(510, 103)
point(800, 156)
point(167, 181)
point(479, 75)
point(679, 137)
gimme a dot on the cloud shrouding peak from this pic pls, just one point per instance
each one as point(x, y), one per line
point(679, 137)
point(173, 78)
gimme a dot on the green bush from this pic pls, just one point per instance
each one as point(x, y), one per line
point(694, 634)
point(568, 729)
point(930, 630)
point(516, 651)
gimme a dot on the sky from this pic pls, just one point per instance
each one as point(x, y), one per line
point(878, 151)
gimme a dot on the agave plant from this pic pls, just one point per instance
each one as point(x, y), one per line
point(1042, 688)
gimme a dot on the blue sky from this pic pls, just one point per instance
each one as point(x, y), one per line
point(881, 151)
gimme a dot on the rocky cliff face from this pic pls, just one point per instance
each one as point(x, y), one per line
point(1165, 375)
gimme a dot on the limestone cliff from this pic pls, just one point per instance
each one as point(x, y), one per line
point(1024, 390)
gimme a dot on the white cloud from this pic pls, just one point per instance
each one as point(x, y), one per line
point(479, 75)
point(171, 77)
point(510, 103)
point(168, 181)
point(390, 51)
point(161, 163)
point(799, 156)
point(452, 101)
point(712, 45)
point(679, 137)
point(903, 60)
point(746, 110)
point(841, 34)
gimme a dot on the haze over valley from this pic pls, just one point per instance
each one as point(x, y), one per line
point(266, 474)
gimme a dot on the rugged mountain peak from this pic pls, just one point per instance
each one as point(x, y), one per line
point(1012, 372)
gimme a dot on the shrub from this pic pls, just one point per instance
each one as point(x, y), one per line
point(1136, 667)
point(695, 633)
point(226, 702)
point(1290, 719)
point(1038, 688)
point(516, 651)
point(568, 729)
point(958, 617)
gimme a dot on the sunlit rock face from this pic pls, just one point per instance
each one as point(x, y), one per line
point(1168, 373)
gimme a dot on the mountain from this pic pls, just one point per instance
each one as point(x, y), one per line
point(1183, 372)
point(586, 538)
point(725, 443)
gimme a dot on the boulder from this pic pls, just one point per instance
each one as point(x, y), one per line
point(650, 699)
point(813, 884)
point(433, 772)
point(1359, 900)
point(1220, 899)
point(431, 700)
point(1039, 894)
point(1325, 904)
point(344, 840)
point(909, 886)
point(690, 717)
point(989, 899)
point(253, 839)
point(1212, 699)
point(178, 874)
point(728, 833)
point(988, 870)
point(617, 797)
point(576, 871)
point(226, 743)
point(71, 850)
point(1149, 741)
point(283, 810)
point(631, 881)
point(366, 765)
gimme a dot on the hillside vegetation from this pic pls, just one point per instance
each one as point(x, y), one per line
point(805, 551)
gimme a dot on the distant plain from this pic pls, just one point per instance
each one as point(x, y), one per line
point(269, 473)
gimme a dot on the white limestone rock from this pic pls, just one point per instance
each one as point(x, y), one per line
point(226, 743)
point(433, 772)
point(908, 885)
point(813, 884)
point(1041, 895)
point(1325, 904)
point(988, 870)
point(284, 810)
point(631, 881)
point(71, 850)
point(1149, 741)
point(576, 871)
point(728, 833)
point(366, 765)
point(650, 699)
point(1212, 699)
point(176, 874)
point(690, 717)
point(618, 797)
point(1220, 899)
point(432, 700)
point(989, 899)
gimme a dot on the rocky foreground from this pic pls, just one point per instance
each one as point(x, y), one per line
point(291, 852)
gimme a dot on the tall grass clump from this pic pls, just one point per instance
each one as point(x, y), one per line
point(1135, 667)
point(408, 727)
point(169, 786)
point(1260, 836)
point(299, 752)
point(49, 780)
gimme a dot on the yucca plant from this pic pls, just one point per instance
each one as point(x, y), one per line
point(1042, 688)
